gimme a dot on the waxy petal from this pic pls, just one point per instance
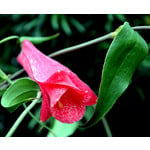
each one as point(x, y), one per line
point(55, 92)
point(61, 77)
point(89, 96)
point(38, 66)
point(69, 109)
point(45, 110)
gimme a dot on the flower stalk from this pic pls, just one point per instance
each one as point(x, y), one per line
point(9, 38)
point(106, 126)
point(5, 77)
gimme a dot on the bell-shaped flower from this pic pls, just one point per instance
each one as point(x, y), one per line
point(64, 95)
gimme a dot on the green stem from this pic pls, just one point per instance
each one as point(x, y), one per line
point(12, 76)
point(17, 73)
point(9, 38)
point(8, 80)
point(5, 77)
point(106, 126)
point(82, 45)
point(21, 117)
point(37, 120)
point(141, 28)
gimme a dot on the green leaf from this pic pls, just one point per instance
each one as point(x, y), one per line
point(78, 25)
point(88, 113)
point(38, 40)
point(63, 129)
point(127, 50)
point(65, 25)
point(55, 21)
point(2, 92)
point(21, 91)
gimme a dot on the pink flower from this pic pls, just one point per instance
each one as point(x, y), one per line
point(64, 94)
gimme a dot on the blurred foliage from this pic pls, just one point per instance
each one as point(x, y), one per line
point(129, 116)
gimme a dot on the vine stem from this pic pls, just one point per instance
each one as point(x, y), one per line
point(9, 38)
point(21, 117)
point(37, 120)
point(82, 45)
point(8, 80)
point(5, 77)
point(106, 126)
point(141, 28)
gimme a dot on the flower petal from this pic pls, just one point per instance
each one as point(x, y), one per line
point(38, 66)
point(61, 77)
point(55, 92)
point(89, 96)
point(45, 110)
point(70, 108)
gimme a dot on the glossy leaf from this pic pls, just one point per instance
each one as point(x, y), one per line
point(21, 91)
point(127, 50)
point(38, 40)
point(63, 129)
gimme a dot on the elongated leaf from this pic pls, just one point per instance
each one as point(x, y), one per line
point(21, 91)
point(127, 50)
point(65, 25)
point(55, 21)
point(78, 25)
point(38, 40)
point(63, 129)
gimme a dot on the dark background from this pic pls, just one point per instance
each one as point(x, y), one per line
point(129, 116)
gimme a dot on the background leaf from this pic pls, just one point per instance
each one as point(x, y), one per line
point(38, 40)
point(65, 25)
point(63, 129)
point(55, 21)
point(21, 91)
point(127, 50)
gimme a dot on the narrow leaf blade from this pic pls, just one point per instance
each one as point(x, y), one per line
point(127, 50)
point(38, 40)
